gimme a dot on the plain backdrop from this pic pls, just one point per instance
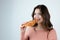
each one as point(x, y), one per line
point(15, 12)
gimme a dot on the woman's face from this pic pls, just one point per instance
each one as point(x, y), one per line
point(37, 15)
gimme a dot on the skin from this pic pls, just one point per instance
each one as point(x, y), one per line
point(37, 15)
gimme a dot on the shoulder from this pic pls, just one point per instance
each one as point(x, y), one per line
point(52, 34)
point(53, 31)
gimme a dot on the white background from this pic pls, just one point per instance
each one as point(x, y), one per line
point(14, 12)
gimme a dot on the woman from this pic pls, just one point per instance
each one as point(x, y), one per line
point(43, 29)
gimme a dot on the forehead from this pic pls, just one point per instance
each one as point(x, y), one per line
point(37, 10)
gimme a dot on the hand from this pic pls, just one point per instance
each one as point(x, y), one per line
point(22, 27)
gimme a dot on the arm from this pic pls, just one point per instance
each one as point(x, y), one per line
point(22, 33)
point(25, 33)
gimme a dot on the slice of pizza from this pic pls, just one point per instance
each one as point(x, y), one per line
point(30, 23)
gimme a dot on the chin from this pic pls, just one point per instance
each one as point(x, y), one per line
point(39, 21)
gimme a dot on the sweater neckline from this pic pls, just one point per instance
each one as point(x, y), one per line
point(38, 29)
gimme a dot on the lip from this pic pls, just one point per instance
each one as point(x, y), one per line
point(37, 19)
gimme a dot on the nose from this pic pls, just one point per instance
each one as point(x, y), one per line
point(36, 16)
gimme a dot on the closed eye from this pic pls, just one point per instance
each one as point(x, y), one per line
point(37, 13)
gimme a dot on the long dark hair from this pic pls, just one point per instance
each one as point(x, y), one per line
point(46, 16)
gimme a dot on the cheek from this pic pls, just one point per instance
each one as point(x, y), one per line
point(37, 16)
point(41, 18)
point(34, 16)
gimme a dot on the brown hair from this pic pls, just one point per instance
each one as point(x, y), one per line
point(46, 16)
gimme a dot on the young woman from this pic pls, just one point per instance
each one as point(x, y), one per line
point(43, 29)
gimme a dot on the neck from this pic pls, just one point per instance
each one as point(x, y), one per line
point(39, 27)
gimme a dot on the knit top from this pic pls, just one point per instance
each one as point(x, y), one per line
point(31, 34)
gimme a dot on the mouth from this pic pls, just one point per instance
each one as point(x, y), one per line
point(38, 19)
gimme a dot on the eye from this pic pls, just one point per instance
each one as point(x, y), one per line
point(39, 13)
point(34, 13)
